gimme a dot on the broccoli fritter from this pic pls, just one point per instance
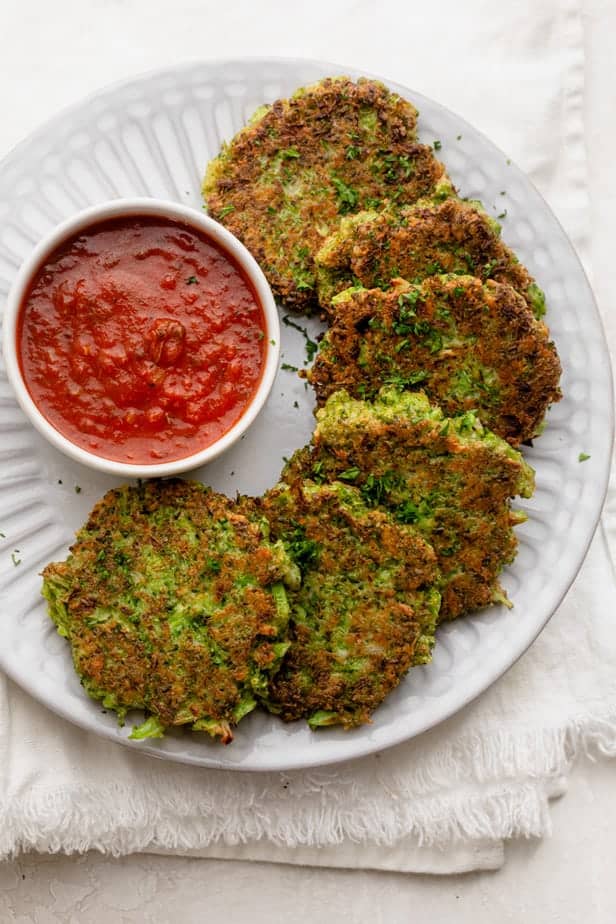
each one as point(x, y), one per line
point(174, 603)
point(426, 239)
point(468, 345)
point(285, 180)
point(366, 609)
point(449, 478)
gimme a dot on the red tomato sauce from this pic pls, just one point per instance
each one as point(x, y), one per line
point(141, 340)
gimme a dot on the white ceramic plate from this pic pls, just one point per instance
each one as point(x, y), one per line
point(152, 137)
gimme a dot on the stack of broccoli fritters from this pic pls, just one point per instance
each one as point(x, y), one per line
point(286, 179)
point(468, 345)
point(450, 479)
point(173, 602)
point(366, 609)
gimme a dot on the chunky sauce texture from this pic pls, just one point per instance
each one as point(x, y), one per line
point(141, 340)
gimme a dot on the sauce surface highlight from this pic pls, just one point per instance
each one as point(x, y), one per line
point(141, 340)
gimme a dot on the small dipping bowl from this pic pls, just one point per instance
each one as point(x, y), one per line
point(204, 227)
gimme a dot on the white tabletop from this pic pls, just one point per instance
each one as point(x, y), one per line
point(567, 878)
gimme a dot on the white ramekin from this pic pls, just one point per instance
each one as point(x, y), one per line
point(131, 208)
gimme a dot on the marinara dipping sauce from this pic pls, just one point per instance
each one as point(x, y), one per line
point(141, 340)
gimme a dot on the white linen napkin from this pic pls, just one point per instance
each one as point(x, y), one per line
point(445, 801)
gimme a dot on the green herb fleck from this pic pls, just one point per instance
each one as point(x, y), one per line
point(352, 152)
point(403, 381)
point(349, 474)
point(16, 561)
point(289, 368)
point(489, 268)
point(458, 137)
point(192, 281)
point(376, 487)
point(302, 550)
point(290, 153)
point(77, 489)
point(409, 512)
point(347, 196)
point(295, 404)
point(226, 210)
point(317, 472)
point(583, 456)
point(437, 145)
point(503, 214)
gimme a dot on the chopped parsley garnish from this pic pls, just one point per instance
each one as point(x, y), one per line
point(352, 152)
point(437, 145)
point(408, 298)
point(433, 341)
point(302, 550)
point(317, 472)
point(393, 167)
point(503, 214)
point(192, 281)
point(16, 561)
point(377, 487)
point(77, 489)
point(349, 474)
point(347, 196)
point(226, 210)
point(583, 456)
point(458, 137)
point(489, 268)
point(2, 535)
point(289, 368)
point(403, 381)
point(409, 512)
point(290, 153)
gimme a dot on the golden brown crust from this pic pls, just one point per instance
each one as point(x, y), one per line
point(284, 181)
point(450, 479)
point(166, 602)
point(365, 612)
point(423, 240)
point(469, 346)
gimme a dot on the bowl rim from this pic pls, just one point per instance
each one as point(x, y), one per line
point(129, 207)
